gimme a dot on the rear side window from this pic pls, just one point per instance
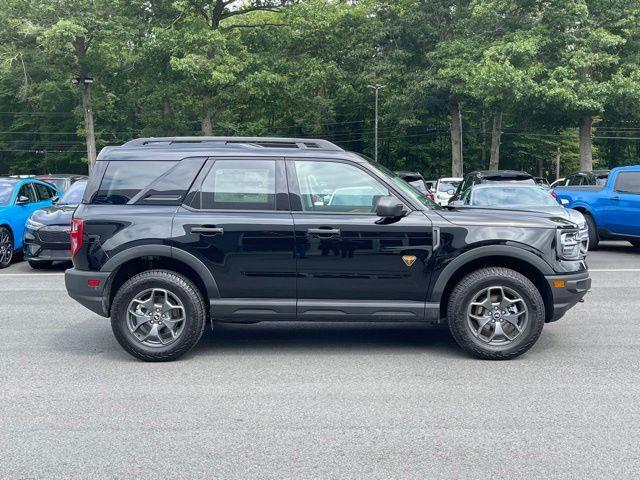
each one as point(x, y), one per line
point(124, 180)
point(628, 182)
point(240, 185)
point(44, 192)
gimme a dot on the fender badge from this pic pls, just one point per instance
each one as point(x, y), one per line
point(409, 260)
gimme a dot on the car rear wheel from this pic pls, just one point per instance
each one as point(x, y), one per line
point(6, 247)
point(40, 264)
point(495, 313)
point(593, 232)
point(158, 315)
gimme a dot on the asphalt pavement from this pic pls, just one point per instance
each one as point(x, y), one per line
point(302, 401)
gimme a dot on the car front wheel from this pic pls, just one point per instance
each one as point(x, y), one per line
point(158, 315)
point(6, 247)
point(495, 313)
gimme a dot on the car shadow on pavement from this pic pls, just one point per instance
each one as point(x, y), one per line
point(268, 337)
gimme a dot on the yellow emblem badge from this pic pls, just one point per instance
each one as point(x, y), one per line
point(409, 260)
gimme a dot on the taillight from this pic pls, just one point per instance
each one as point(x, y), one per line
point(431, 196)
point(76, 235)
point(554, 195)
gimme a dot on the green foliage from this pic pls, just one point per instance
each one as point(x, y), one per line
point(167, 67)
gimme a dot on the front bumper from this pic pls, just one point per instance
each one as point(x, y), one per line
point(567, 290)
point(55, 247)
point(81, 292)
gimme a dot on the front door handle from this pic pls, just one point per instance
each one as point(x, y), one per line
point(615, 199)
point(323, 232)
point(209, 230)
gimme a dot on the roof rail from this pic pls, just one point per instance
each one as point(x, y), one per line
point(265, 142)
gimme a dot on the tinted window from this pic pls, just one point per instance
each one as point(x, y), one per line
point(123, 180)
point(73, 196)
point(628, 182)
point(44, 192)
point(337, 187)
point(27, 191)
point(240, 185)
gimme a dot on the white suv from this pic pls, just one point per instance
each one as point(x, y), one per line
point(444, 189)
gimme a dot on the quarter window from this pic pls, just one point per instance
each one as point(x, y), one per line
point(240, 185)
point(124, 180)
point(628, 182)
point(337, 187)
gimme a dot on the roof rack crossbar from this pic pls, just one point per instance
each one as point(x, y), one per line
point(265, 142)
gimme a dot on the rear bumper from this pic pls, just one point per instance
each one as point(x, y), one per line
point(81, 292)
point(567, 290)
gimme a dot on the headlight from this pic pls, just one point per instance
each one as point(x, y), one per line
point(33, 225)
point(569, 245)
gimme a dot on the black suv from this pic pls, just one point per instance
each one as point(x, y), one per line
point(173, 232)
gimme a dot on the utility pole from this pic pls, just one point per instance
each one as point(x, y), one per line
point(86, 82)
point(377, 87)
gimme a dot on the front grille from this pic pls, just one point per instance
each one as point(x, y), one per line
point(55, 234)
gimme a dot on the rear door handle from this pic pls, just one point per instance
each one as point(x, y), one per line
point(209, 230)
point(323, 232)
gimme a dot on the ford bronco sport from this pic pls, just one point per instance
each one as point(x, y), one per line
point(175, 232)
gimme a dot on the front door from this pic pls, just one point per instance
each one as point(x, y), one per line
point(624, 204)
point(350, 261)
point(239, 224)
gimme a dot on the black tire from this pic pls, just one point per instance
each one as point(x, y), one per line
point(6, 255)
point(184, 290)
point(594, 239)
point(474, 283)
point(40, 264)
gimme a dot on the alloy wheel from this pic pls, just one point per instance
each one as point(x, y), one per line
point(6, 247)
point(497, 315)
point(156, 317)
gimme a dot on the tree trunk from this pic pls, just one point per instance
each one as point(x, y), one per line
point(556, 165)
point(207, 120)
point(496, 136)
point(456, 139)
point(88, 126)
point(586, 154)
point(540, 167)
point(166, 116)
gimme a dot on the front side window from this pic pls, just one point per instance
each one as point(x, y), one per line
point(27, 191)
point(628, 182)
point(337, 187)
point(240, 185)
point(123, 180)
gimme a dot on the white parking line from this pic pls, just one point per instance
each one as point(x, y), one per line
point(614, 269)
point(30, 274)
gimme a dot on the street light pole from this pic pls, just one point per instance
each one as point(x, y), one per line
point(377, 88)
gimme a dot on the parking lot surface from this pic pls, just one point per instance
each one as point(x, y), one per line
point(320, 400)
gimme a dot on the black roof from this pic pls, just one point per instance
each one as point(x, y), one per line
point(176, 148)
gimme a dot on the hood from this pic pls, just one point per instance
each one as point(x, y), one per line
point(545, 217)
point(54, 215)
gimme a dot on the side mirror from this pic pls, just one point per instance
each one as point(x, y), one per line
point(456, 203)
point(22, 200)
point(55, 199)
point(389, 207)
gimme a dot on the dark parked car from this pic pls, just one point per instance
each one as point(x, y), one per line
point(46, 235)
point(490, 176)
point(175, 232)
point(582, 179)
point(415, 179)
point(62, 181)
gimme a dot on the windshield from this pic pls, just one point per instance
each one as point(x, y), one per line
point(6, 188)
point(73, 196)
point(445, 186)
point(509, 197)
point(408, 189)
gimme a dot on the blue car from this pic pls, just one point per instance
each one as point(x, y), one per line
point(19, 198)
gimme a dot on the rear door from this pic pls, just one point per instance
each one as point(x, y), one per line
point(351, 263)
point(237, 221)
point(624, 214)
